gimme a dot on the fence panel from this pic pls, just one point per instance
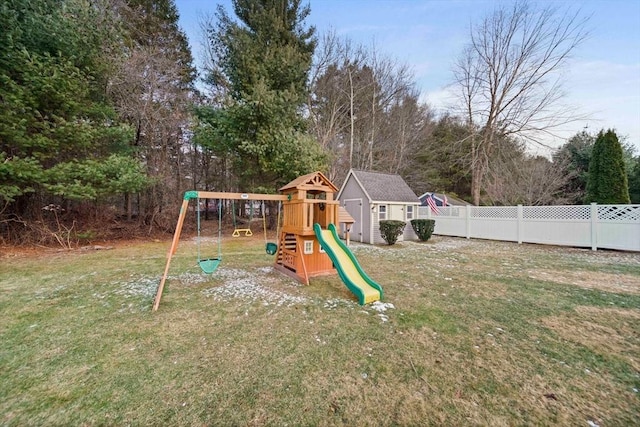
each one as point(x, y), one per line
point(618, 227)
point(557, 225)
point(494, 222)
point(594, 226)
point(454, 225)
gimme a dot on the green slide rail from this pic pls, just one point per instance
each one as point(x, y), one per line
point(353, 287)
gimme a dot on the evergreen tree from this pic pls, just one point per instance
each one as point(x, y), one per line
point(154, 23)
point(634, 182)
point(57, 130)
point(263, 61)
point(575, 157)
point(440, 162)
point(607, 182)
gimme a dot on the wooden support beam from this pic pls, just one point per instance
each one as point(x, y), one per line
point(172, 250)
point(235, 196)
point(304, 265)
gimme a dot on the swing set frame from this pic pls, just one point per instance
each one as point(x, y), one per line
point(195, 195)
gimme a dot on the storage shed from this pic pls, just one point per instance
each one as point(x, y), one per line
point(372, 196)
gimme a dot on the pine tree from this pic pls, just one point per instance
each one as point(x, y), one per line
point(574, 157)
point(634, 182)
point(57, 129)
point(264, 59)
point(607, 183)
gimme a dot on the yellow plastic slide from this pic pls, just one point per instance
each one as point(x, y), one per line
point(347, 266)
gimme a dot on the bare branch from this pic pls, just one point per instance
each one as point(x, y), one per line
point(509, 77)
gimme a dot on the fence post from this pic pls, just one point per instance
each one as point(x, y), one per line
point(594, 226)
point(520, 224)
point(468, 221)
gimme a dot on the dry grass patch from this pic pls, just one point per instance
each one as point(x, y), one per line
point(608, 282)
point(610, 336)
point(602, 330)
point(481, 288)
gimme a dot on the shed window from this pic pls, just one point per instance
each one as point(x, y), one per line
point(409, 212)
point(382, 212)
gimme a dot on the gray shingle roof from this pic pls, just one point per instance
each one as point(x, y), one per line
point(384, 187)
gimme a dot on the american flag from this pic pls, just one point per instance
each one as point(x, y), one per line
point(432, 204)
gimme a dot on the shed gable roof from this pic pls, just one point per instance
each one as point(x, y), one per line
point(384, 187)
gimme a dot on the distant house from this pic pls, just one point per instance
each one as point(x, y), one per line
point(370, 197)
point(441, 200)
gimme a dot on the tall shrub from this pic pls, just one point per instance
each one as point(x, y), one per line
point(390, 230)
point(634, 182)
point(423, 228)
point(608, 182)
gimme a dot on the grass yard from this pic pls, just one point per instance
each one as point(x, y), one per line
point(480, 333)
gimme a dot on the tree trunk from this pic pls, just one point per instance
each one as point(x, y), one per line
point(352, 120)
point(373, 127)
point(476, 181)
point(129, 205)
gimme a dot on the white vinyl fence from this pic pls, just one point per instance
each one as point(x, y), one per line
point(592, 226)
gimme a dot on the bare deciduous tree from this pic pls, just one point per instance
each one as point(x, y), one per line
point(407, 128)
point(509, 78)
point(332, 102)
point(354, 93)
point(151, 88)
point(527, 180)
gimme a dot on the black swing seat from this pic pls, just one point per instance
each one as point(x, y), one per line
point(208, 266)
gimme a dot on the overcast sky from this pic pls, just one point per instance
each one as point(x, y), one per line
point(603, 78)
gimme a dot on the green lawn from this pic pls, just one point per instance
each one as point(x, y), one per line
point(480, 333)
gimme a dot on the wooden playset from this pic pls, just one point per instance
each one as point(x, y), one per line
point(308, 244)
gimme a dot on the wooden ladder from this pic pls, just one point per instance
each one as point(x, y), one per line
point(287, 241)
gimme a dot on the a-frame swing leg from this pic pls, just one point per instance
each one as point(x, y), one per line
point(172, 251)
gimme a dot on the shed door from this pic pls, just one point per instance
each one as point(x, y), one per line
point(354, 207)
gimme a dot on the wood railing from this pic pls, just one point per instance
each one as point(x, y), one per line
point(300, 215)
